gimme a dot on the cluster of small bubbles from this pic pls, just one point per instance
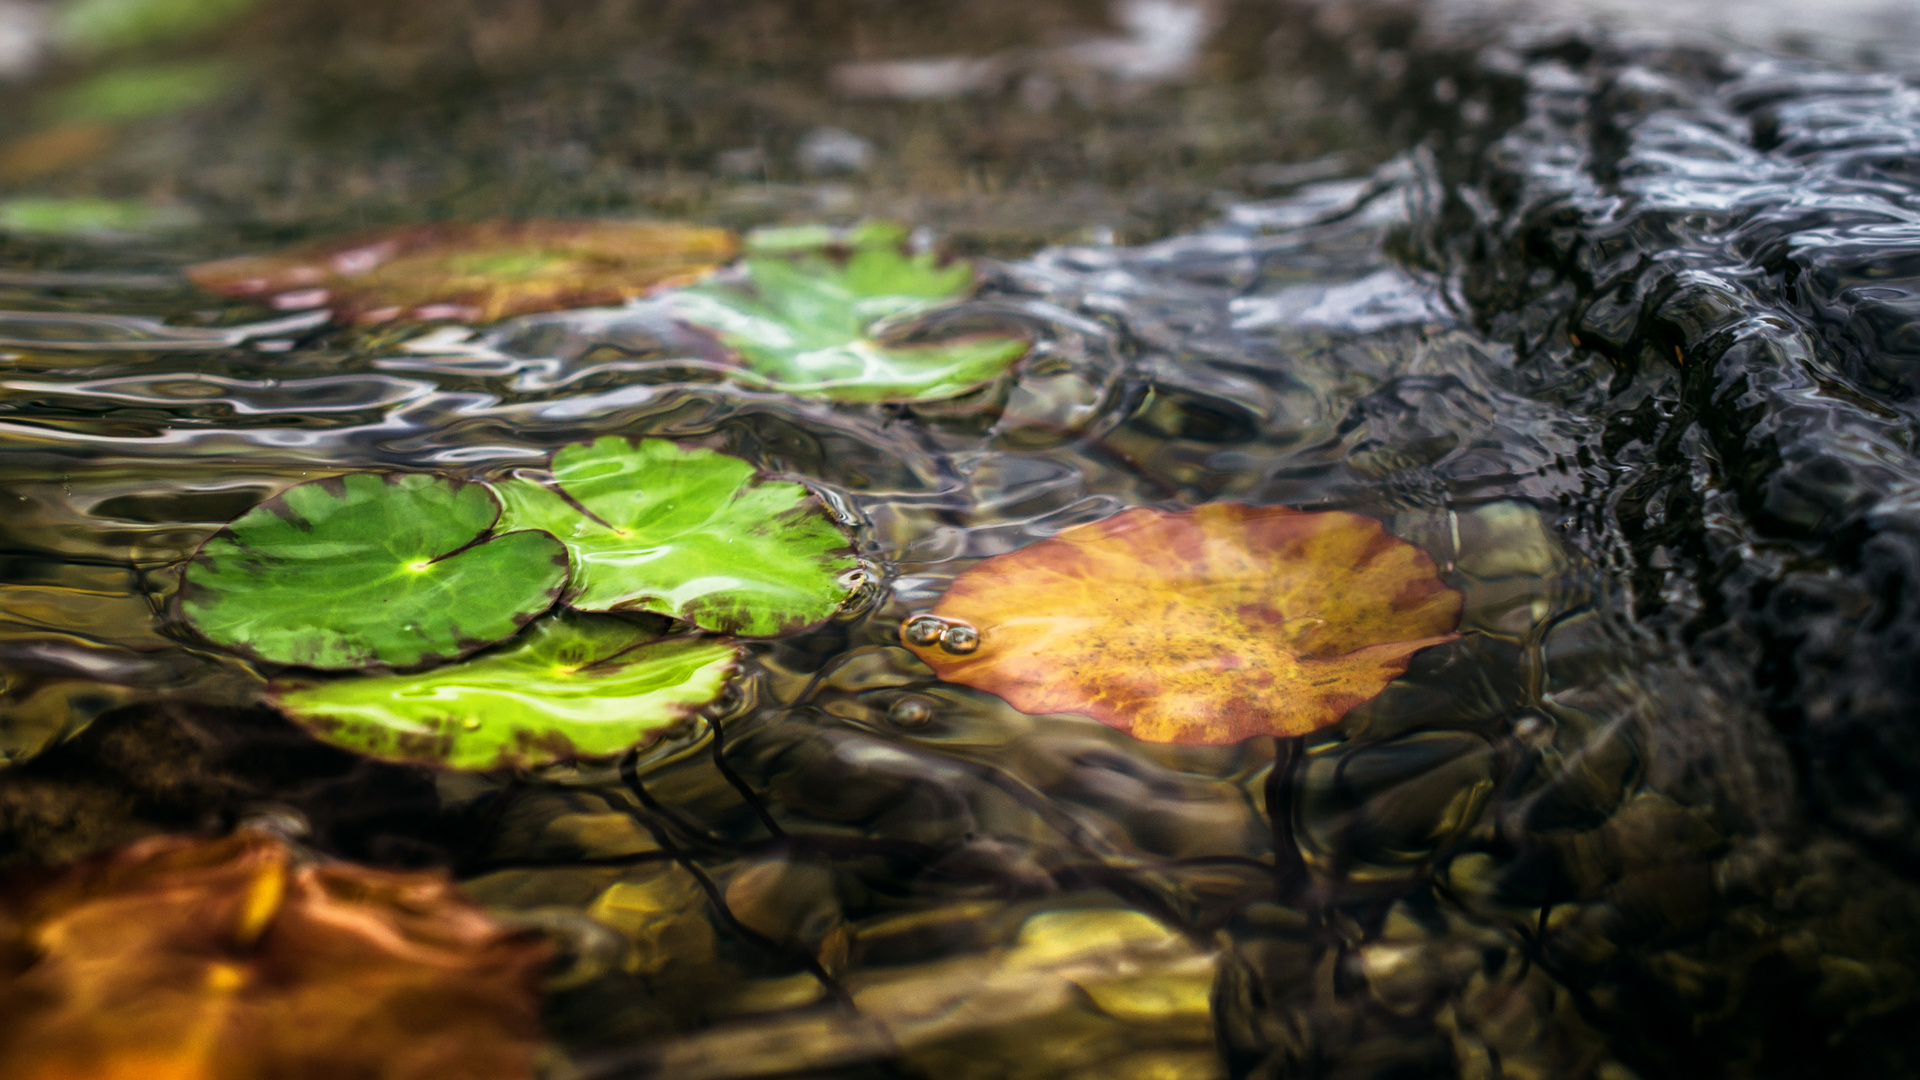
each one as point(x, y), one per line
point(951, 635)
point(910, 711)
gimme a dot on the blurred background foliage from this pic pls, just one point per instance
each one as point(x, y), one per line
point(1003, 122)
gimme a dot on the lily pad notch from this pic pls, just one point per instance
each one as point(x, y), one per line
point(689, 533)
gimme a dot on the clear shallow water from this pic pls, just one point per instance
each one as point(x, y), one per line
point(1632, 375)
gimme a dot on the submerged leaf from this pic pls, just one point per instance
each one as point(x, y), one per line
point(484, 271)
point(370, 568)
point(571, 686)
point(814, 322)
point(186, 959)
point(689, 533)
point(1203, 627)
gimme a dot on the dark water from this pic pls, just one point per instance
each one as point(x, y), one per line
point(1624, 336)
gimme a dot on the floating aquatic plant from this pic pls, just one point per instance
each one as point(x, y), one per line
point(410, 570)
point(1204, 627)
point(818, 313)
point(190, 959)
point(483, 271)
point(399, 569)
point(689, 533)
point(570, 686)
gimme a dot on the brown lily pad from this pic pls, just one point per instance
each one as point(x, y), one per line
point(1205, 627)
point(230, 959)
point(474, 272)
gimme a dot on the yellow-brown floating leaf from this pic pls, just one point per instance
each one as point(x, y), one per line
point(184, 959)
point(1204, 627)
point(474, 272)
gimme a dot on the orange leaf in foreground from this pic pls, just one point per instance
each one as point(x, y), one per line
point(184, 959)
point(1204, 627)
point(477, 272)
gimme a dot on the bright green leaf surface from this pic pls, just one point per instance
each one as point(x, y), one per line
point(571, 686)
point(810, 323)
point(370, 568)
point(689, 533)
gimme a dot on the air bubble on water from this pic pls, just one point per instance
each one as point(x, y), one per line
point(924, 630)
point(960, 638)
point(1532, 730)
point(910, 712)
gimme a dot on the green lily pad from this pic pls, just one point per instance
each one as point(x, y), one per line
point(370, 568)
point(810, 313)
point(690, 533)
point(570, 686)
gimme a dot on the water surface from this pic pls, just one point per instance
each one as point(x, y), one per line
point(1619, 333)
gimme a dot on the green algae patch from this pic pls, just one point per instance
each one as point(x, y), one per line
point(822, 314)
point(571, 686)
point(689, 533)
point(352, 571)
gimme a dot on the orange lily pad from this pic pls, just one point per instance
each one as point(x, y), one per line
point(230, 959)
point(1205, 627)
point(474, 272)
